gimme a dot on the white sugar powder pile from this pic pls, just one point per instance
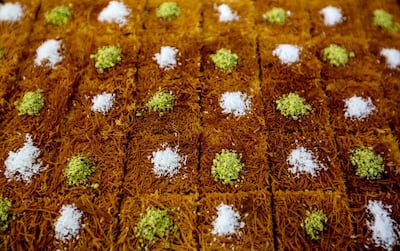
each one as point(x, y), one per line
point(167, 162)
point(103, 102)
point(358, 108)
point(114, 12)
point(385, 231)
point(392, 57)
point(49, 53)
point(166, 59)
point(23, 164)
point(235, 102)
point(226, 14)
point(302, 161)
point(287, 53)
point(227, 221)
point(332, 15)
point(68, 224)
point(11, 12)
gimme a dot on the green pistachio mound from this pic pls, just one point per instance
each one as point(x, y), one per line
point(78, 170)
point(369, 164)
point(336, 55)
point(385, 20)
point(5, 215)
point(293, 106)
point(225, 60)
point(60, 15)
point(1, 53)
point(106, 57)
point(226, 166)
point(313, 224)
point(161, 102)
point(168, 11)
point(31, 103)
point(275, 16)
point(155, 225)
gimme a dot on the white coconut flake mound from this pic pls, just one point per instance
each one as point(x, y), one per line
point(358, 108)
point(167, 162)
point(227, 221)
point(287, 53)
point(23, 164)
point(166, 59)
point(11, 12)
point(385, 231)
point(115, 12)
point(103, 102)
point(68, 224)
point(302, 161)
point(332, 15)
point(392, 57)
point(48, 53)
point(237, 103)
point(226, 14)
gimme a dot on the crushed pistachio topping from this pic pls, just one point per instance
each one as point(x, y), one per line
point(1, 53)
point(60, 15)
point(106, 57)
point(226, 166)
point(369, 164)
point(31, 103)
point(336, 55)
point(161, 102)
point(155, 225)
point(94, 185)
point(293, 106)
point(78, 170)
point(5, 216)
point(385, 20)
point(168, 11)
point(275, 16)
point(224, 59)
point(313, 224)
